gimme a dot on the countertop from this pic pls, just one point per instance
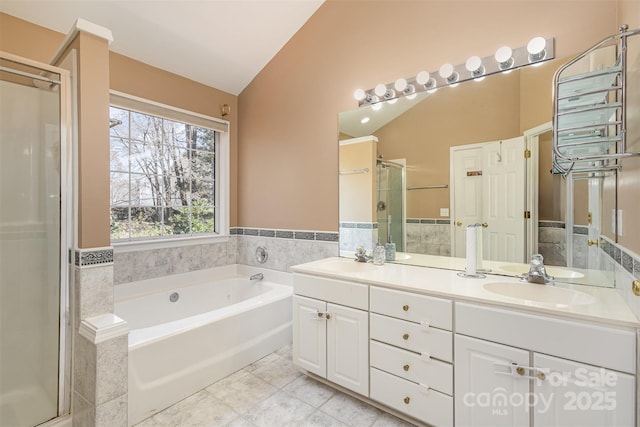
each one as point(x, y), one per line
point(607, 305)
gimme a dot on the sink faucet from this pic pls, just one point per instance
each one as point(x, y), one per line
point(361, 255)
point(537, 272)
point(257, 276)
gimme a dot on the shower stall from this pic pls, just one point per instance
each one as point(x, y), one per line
point(34, 240)
point(390, 207)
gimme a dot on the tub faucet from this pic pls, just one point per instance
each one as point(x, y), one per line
point(257, 276)
point(537, 272)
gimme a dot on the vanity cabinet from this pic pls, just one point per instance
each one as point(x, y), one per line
point(411, 354)
point(331, 339)
point(517, 369)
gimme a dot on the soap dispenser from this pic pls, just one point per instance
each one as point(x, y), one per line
point(378, 254)
point(390, 249)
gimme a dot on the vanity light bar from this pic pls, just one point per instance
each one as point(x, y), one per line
point(538, 50)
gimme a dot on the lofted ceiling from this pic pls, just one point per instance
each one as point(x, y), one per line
point(220, 43)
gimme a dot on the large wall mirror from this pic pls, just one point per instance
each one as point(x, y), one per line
point(418, 171)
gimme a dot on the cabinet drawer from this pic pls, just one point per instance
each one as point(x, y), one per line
point(582, 342)
point(412, 307)
point(428, 406)
point(412, 336)
point(351, 294)
point(413, 367)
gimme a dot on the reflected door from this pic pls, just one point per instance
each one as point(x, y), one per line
point(467, 194)
point(489, 188)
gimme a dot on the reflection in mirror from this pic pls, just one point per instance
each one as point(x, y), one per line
point(461, 148)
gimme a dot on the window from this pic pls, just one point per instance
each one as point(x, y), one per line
point(163, 177)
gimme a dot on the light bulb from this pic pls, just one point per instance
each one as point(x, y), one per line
point(473, 63)
point(400, 84)
point(422, 78)
point(504, 57)
point(447, 72)
point(536, 49)
point(380, 90)
point(359, 94)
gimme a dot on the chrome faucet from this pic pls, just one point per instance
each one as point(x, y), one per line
point(537, 272)
point(257, 276)
point(361, 255)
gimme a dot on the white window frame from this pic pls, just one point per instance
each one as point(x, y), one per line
point(134, 103)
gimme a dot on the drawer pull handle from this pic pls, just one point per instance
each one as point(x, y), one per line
point(405, 367)
point(405, 307)
point(405, 337)
point(407, 400)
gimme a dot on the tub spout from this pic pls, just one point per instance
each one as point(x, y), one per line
point(257, 276)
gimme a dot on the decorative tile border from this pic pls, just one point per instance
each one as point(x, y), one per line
point(428, 221)
point(551, 224)
point(94, 256)
point(628, 261)
point(361, 225)
point(324, 236)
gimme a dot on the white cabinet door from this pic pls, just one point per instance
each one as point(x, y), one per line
point(574, 394)
point(484, 397)
point(310, 335)
point(347, 348)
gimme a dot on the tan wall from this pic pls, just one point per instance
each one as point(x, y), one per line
point(288, 133)
point(125, 75)
point(357, 191)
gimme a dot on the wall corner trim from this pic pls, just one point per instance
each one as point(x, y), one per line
point(84, 26)
point(102, 328)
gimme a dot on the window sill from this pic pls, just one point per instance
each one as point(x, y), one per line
point(145, 245)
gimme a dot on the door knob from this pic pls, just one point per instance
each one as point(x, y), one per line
point(459, 223)
point(485, 225)
point(592, 242)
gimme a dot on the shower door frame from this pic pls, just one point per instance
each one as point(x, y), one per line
point(67, 215)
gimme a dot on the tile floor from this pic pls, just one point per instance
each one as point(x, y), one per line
point(271, 392)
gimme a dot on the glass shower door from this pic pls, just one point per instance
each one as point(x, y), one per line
point(390, 204)
point(30, 237)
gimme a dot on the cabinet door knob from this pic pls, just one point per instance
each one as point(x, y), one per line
point(541, 376)
point(328, 315)
point(405, 337)
point(320, 314)
point(407, 400)
point(405, 367)
point(405, 307)
point(520, 370)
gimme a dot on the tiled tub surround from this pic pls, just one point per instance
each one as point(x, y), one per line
point(429, 236)
point(131, 265)
point(354, 234)
point(99, 357)
point(552, 243)
point(285, 247)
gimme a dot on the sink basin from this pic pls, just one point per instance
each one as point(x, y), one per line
point(557, 272)
point(349, 266)
point(540, 294)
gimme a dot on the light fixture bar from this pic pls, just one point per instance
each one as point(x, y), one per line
point(520, 57)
